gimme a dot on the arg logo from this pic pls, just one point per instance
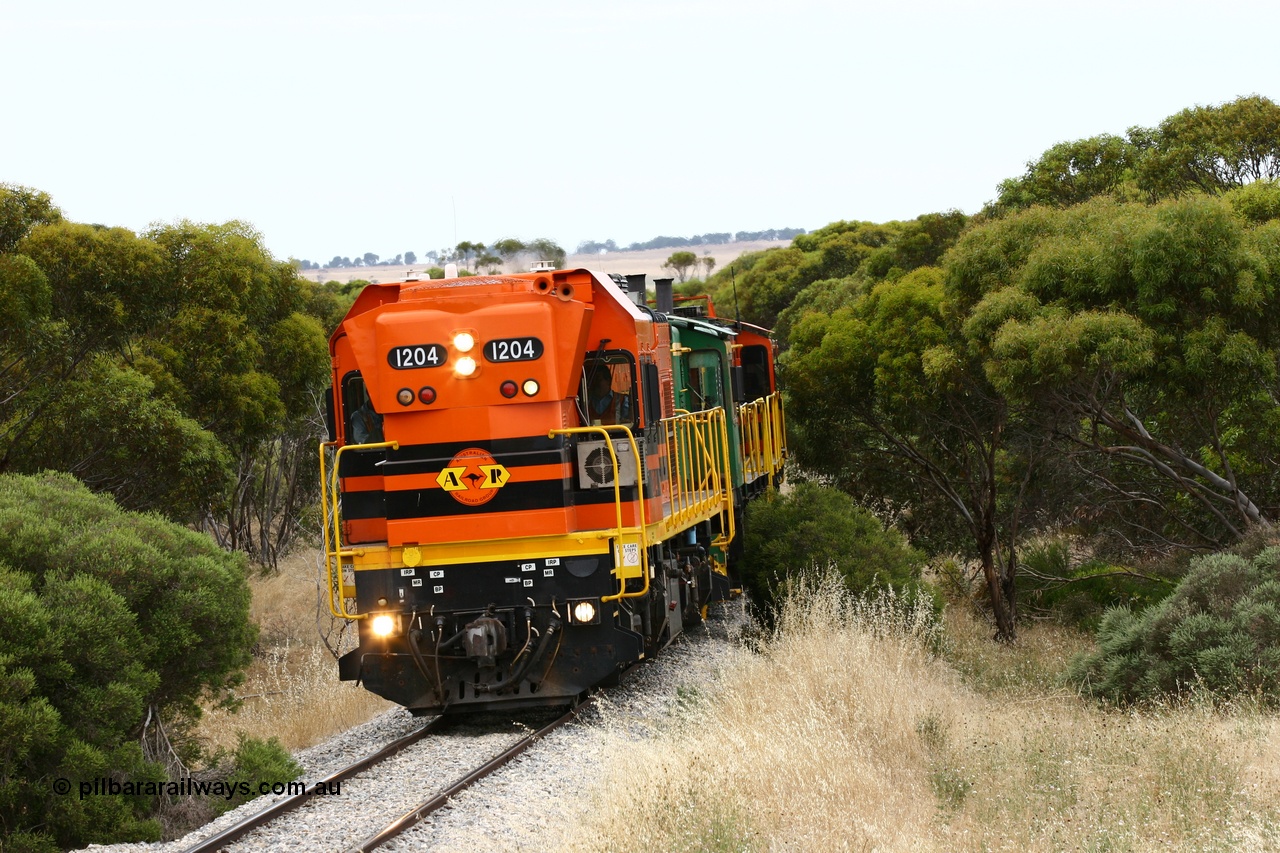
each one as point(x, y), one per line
point(473, 477)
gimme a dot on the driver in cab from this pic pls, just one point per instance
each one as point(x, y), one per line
point(607, 406)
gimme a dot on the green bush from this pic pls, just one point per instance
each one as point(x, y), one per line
point(1218, 633)
point(814, 527)
point(108, 619)
point(1079, 594)
point(257, 762)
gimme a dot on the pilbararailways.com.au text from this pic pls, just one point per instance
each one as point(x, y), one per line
point(188, 787)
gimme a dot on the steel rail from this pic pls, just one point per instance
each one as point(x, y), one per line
point(422, 811)
point(264, 816)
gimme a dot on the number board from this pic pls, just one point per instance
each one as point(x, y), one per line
point(416, 355)
point(513, 349)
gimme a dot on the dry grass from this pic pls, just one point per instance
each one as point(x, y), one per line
point(843, 732)
point(291, 691)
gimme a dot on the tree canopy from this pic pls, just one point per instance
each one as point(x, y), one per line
point(680, 263)
point(775, 287)
point(1145, 338)
point(1097, 351)
point(158, 367)
point(1203, 149)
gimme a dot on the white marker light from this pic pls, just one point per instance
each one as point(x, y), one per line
point(531, 387)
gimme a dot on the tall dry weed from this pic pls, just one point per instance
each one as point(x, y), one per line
point(797, 748)
point(844, 731)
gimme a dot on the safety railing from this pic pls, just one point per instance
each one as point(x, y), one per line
point(764, 437)
point(700, 481)
point(625, 537)
point(330, 501)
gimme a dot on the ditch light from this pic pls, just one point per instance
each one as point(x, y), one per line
point(584, 611)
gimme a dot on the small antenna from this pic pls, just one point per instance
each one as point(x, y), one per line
point(737, 318)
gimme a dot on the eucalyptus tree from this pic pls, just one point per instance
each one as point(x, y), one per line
point(1070, 173)
point(546, 249)
point(680, 263)
point(508, 249)
point(1210, 149)
point(890, 403)
point(257, 389)
point(1146, 338)
point(177, 370)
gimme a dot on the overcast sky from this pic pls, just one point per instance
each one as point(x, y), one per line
point(385, 126)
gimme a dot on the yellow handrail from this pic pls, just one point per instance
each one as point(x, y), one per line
point(700, 477)
point(330, 503)
point(700, 485)
point(728, 482)
point(764, 442)
point(619, 531)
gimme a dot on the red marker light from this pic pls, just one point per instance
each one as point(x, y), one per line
point(427, 394)
point(509, 389)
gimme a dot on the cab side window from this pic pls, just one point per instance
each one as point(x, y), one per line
point(755, 368)
point(606, 392)
point(704, 381)
point(364, 424)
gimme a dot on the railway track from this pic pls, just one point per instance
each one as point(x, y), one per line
point(440, 726)
point(533, 804)
point(416, 815)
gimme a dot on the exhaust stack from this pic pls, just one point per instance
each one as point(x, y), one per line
point(665, 298)
point(635, 288)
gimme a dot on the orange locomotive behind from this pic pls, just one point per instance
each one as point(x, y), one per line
point(514, 509)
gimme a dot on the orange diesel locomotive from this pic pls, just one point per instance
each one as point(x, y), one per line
point(533, 480)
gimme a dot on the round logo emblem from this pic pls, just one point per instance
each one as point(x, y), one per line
point(473, 477)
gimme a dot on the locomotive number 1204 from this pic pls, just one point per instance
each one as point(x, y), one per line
point(513, 349)
point(416, 355)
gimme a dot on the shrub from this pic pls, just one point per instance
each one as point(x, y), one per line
point(110, 621)
point(1079, 594)
point(1217, 633)
point(814, 527)
point(256, 762)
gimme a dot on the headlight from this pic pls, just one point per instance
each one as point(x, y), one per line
point(584, 612)
point(464, 341)
point(465, 366)
point(383, 625)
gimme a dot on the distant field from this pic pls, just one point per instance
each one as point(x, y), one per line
point(648, 261)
